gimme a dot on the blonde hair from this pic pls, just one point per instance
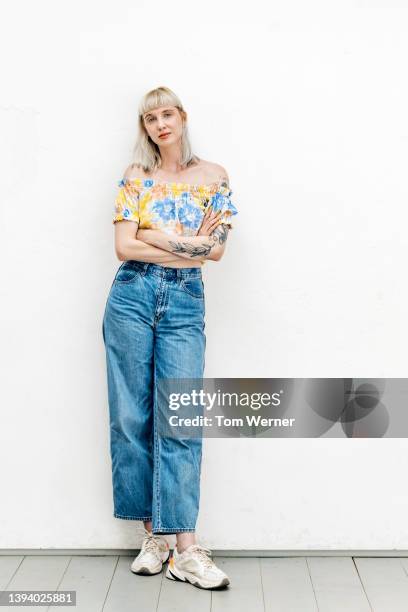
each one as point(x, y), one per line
point(146, 153)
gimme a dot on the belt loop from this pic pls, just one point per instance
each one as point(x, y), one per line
point(145, 268)
point(179, 274)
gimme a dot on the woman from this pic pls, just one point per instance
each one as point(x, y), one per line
point(172, 213)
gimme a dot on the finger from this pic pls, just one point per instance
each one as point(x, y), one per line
point(217, 223)
point(206, 216)
point(213, 226)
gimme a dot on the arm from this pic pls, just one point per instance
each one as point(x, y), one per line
point(190, 247)
point(128, 247)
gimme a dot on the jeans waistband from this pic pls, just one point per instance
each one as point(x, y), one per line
point(165, 271)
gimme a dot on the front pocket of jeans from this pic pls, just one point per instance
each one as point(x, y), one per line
point(193, 286)
point(127, 273)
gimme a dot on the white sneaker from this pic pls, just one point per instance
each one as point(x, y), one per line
point(194, 566)
point(154, 552)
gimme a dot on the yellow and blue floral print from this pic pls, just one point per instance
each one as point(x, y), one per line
point(175, 208)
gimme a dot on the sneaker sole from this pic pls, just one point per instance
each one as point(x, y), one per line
point(186, 577)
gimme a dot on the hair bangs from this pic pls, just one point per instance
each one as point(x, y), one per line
point(161, 96)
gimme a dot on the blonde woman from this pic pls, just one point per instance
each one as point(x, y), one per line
point(172, 214)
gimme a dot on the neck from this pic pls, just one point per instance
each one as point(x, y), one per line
point(170, 158)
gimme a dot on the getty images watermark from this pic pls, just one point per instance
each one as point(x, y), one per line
point(282, 407)
point(210, 401)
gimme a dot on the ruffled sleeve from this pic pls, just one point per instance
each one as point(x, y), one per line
point(221, 200)
point(127, 202)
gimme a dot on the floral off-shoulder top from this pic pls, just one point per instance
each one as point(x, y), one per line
point(174, 208)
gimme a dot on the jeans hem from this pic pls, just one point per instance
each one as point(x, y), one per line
point(170, 530)
point(132, 518)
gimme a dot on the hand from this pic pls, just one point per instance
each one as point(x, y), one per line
point(210, 221)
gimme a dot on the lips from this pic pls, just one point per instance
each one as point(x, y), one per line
point(164, 135)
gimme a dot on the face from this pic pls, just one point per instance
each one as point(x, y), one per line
point(164, 125)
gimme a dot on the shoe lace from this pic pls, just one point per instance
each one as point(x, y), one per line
point(150, 541)
point(203, 554)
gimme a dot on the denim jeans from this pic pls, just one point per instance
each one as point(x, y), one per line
point(153, 328)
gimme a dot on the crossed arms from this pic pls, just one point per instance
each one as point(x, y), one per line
point(200, 247)
point(155, 246)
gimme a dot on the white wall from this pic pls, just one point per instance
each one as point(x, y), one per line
point(305, 105)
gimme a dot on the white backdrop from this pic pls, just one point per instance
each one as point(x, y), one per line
point(305, 106)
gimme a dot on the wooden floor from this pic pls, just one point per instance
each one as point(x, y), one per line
point(278, 584)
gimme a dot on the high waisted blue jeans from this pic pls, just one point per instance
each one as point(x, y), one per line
point(153, 328)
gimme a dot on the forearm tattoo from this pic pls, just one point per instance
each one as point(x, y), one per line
point(220, 235)
point(190, 249)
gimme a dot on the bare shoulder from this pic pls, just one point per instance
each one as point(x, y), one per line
point(134, 171)
point(217, 173)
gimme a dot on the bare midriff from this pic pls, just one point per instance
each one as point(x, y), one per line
point(180, 264)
